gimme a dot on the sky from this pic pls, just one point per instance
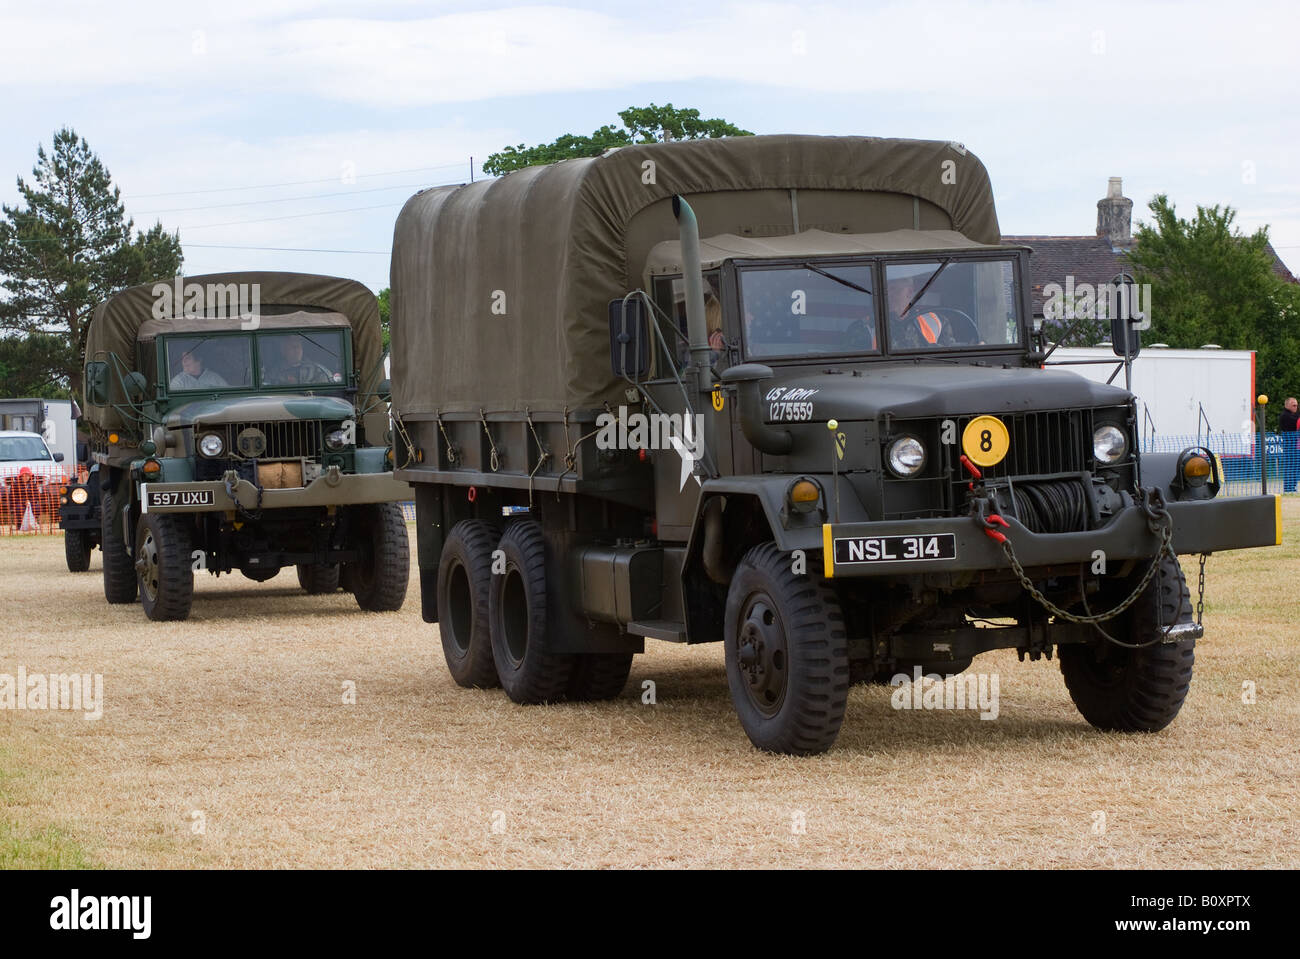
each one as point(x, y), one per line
point(286, 134)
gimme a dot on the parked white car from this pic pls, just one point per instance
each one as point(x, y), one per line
point(19, 450)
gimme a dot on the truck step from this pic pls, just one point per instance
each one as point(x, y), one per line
point(669, 632)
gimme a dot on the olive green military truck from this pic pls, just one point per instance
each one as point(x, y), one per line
point(239, 422)
point(782, 393)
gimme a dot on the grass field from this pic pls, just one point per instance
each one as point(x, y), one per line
point(226, 742)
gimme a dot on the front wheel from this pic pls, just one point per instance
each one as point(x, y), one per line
point(1136, 690)
point(76, 549)
point(163, 565)
point(378, 579)
point(787, 655)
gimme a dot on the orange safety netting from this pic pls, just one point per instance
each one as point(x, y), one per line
point(29, 500)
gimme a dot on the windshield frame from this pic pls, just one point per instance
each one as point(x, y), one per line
point(955, 258)
point(255, 338)
point(735, 269)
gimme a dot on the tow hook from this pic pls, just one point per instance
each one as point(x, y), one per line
point(989, 522)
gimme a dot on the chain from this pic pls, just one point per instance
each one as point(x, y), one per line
point(1200, 589)
point(1166, 536)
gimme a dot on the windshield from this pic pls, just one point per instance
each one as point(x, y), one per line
point(808, 310)
point(948, 304)
point(14, 448)
point(301, 358)
point(209, 362)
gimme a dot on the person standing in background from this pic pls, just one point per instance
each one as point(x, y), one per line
point(1287, 423)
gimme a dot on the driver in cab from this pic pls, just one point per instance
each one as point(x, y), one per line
point(914, 328)
point(294, 368)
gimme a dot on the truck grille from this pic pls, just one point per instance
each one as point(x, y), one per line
point(1043, 443)
point(285, 439)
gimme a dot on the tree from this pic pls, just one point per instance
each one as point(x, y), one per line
point(1210, 283)
point(647, 124)
point(67, 247)
point(385, 314)
point(33, 366)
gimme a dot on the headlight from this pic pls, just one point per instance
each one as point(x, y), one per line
point(907, 456)
point(79, 495)
point(1109, 444)
point(336, 439)
point(211, 445)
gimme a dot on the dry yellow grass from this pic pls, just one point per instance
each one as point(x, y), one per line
point(238, 714)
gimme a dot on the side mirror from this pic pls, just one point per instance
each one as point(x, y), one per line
point(58, 457)
point(1125, 339)
point(135, 385)
point(629, 342)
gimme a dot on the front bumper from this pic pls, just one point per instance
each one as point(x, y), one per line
point(1203, 526)
point(329, 489)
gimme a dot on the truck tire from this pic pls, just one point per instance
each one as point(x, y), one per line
point(1136, 690)
point(121, 585)
point(464, 582)
point(598, 676)
point(163, 564)
point(318, 578)
point(77, 546)
point(379, 580)
point(787, 655)
point(528, 670)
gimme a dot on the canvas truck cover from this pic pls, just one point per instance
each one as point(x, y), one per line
point(500, 288)
point(127, 317)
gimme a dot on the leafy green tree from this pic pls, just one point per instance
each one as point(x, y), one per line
point(33, 366)
point(385, 314)
point(66, 247)
point(1210, 283)
point(647, 124)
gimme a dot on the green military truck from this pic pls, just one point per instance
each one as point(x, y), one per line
point(239, 422)
point(783, 393)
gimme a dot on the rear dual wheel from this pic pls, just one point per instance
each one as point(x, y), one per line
point(494, 627)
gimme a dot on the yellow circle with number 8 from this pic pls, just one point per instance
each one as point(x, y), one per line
point(985, 441)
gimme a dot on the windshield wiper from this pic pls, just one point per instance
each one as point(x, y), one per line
point(837, 279)
point(921, 292)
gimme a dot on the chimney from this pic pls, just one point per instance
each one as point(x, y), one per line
point(1115, 216)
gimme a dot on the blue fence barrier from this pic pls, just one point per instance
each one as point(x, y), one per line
point(1239, 458)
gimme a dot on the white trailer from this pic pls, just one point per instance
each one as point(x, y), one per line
point(1180, 392)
